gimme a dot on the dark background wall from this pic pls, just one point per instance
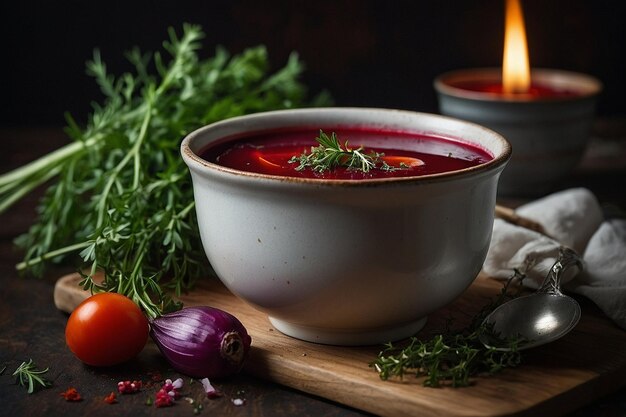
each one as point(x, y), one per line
point(366, 53)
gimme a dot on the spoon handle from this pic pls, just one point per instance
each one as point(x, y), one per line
point(567, 258)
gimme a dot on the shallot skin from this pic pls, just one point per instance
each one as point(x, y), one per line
point(202, 341)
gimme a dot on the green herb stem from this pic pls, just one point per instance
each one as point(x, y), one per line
point(14, 192)
point(132, 154)
point(44, 163)
point(16, 184)
point(51, 255)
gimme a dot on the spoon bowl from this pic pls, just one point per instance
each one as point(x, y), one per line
point(536, 319)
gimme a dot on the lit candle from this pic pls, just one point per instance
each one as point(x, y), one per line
point(546, 114)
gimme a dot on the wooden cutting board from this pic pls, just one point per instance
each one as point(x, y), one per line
point(554, 379)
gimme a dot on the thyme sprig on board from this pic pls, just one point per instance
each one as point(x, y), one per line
point(452, 356)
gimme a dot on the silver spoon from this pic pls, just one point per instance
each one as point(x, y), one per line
point(539, 318)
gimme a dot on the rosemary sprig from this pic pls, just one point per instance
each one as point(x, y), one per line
point(27, 374)
point(330, 153)
point(452, 357)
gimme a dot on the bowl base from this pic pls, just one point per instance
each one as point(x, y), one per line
point(348, 337)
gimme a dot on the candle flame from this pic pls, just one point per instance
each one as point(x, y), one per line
point(515, 66)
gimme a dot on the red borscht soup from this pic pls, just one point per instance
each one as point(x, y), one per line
point(408, 154)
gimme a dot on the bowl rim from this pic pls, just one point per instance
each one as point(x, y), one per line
point(586, 85)
point(247, 122)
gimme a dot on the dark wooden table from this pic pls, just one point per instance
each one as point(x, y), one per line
point(32, 328)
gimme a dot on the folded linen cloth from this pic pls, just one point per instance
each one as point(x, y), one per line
point(571, 218)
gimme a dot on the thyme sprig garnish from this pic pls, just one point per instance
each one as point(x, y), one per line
point(331, 153)
point(28, 375)
point(452, 357)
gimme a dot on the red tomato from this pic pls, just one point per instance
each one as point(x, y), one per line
point(106, 329)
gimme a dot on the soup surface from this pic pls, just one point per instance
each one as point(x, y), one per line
point(406, 154)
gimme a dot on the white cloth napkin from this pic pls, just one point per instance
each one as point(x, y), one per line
point(571, 218)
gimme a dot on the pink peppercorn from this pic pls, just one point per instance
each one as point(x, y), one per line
point(128, 387)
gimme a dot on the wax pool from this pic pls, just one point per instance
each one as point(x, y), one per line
point(536, 90)
point(270, 153)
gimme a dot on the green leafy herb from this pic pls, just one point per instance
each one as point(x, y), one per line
point(451, 357)
point(122, 196)
point(28, 375)
point(330, 153)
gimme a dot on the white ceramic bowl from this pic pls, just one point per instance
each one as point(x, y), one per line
point(346, 262)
